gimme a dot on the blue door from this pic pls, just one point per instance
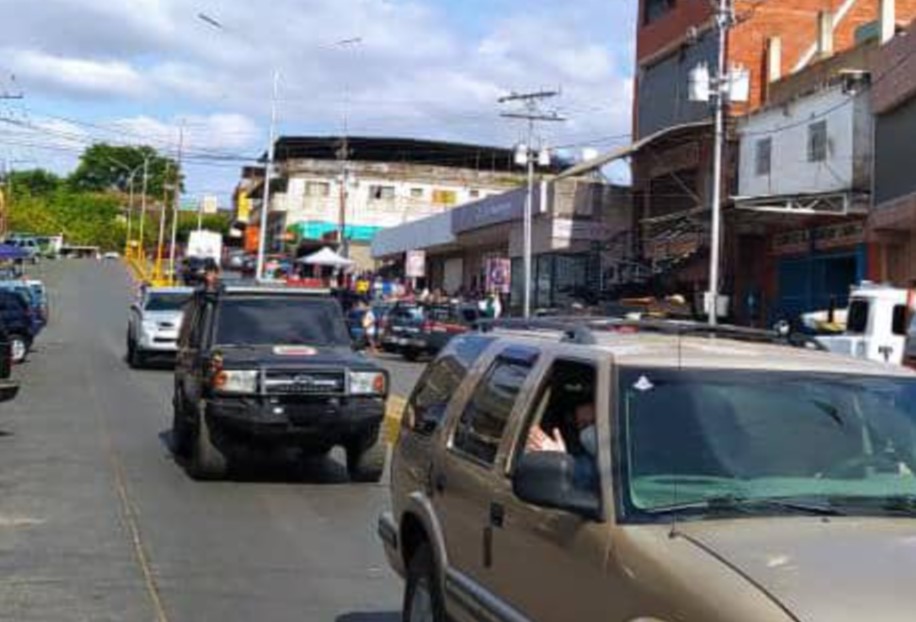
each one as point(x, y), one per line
point(812, 282)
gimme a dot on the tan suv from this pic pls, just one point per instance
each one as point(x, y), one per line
point(634, 473)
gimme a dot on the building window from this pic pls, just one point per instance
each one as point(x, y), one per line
point(764, 156)
point(445, 197)
point(817, 141)
point(656, 9)
point(416, 193)
point(381, 193)
point(317, 189)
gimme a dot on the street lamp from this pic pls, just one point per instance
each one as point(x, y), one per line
point(528, 157)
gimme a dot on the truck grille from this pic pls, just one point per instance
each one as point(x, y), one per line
point(303, 382)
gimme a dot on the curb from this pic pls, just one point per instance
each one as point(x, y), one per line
point(394, 410)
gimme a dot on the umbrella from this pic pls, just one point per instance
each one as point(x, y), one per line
point(327, 258)
point(8, 251)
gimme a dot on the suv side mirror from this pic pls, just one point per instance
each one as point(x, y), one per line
point(547, 479)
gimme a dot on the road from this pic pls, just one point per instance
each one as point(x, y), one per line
point(97, 522)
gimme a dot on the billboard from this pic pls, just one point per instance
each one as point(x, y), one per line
point(244, 208)
point(499, 275)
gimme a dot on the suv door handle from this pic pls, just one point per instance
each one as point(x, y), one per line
point(497, 515)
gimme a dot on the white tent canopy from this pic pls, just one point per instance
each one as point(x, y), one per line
point(327, 258)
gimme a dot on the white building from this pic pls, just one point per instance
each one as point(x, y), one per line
point(812, 154)
point(389, 182)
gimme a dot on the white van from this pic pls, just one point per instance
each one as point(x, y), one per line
point(876, 325)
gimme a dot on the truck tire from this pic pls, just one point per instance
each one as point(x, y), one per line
point(366, 459)
point(206, 461)
point(423, 600)
point(411, 354)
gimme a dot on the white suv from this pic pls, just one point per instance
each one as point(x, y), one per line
point(154, 323)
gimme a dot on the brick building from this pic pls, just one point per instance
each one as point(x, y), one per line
point(774, 42)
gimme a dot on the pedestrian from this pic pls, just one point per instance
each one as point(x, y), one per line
point(211, 276)
point(370, 326)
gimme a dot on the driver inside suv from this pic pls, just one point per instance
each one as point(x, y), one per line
point(565, 420)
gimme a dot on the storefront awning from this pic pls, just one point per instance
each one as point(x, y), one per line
point(814, 204)
point(603, 160)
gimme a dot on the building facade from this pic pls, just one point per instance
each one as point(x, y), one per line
point(892, 223)
point(580, 235)
point(787, 49)
point(382, 183)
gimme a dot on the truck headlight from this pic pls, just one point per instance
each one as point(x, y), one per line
point(236, 381)
point(368, 383)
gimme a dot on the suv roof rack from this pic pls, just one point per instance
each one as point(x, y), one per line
point(583, 330)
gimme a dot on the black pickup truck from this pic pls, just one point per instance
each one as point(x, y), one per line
point(265, 368)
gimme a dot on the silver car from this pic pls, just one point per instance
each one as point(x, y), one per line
point(155, 320)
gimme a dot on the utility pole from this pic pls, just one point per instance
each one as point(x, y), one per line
point(525, 155)
point(721, 85)
point(175, 207)
point(157, 269)
point(343, 156)
point(130, 212)
point(268, 171)
point(142, 250)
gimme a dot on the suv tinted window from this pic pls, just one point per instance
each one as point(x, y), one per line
point(440, 381)
point(900, 317)
point(483, 421)
point(288, 320)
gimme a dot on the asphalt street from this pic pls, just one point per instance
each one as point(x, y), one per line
point(98, 522)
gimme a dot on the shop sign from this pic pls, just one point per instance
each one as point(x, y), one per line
point(415, 264)
point(491, 211)
point(584, 230)
point(824, 238)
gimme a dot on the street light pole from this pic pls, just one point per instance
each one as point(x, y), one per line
point(268, 171)
point(140, 246)
point(157, 268)
point(723, 21)
point(130, 211)
point(175, 211)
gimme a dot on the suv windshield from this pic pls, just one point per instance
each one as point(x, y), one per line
point(287, 320)
point(167, 302)
point(690, 440)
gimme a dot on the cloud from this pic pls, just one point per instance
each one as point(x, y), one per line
point(431, 68)
point(78, 76)
point(217, 132)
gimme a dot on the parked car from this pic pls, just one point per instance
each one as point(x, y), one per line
point(154, 322)
point(415, 329)
point(37, 315)
point(235, 260)
point(262, 368)
point(16, 316)
point(29, 245)
point(586, 472)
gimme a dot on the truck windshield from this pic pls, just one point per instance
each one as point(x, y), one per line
point(692, 438)
point(167, 302)
point(281, 321)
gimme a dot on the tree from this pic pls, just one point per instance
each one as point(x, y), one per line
point(35, 182)
point(105, 167)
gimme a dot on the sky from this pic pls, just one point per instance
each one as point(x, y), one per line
point(134, 71)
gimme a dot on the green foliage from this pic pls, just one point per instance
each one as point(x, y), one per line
point(36, 182)
point(105, 168)
point(83, 218)
point(187, 222)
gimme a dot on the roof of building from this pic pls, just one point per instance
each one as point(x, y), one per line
point(402, 151)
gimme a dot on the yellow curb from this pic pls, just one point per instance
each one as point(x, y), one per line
point(394, 409)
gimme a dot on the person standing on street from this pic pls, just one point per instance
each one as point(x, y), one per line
point(370, 329)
